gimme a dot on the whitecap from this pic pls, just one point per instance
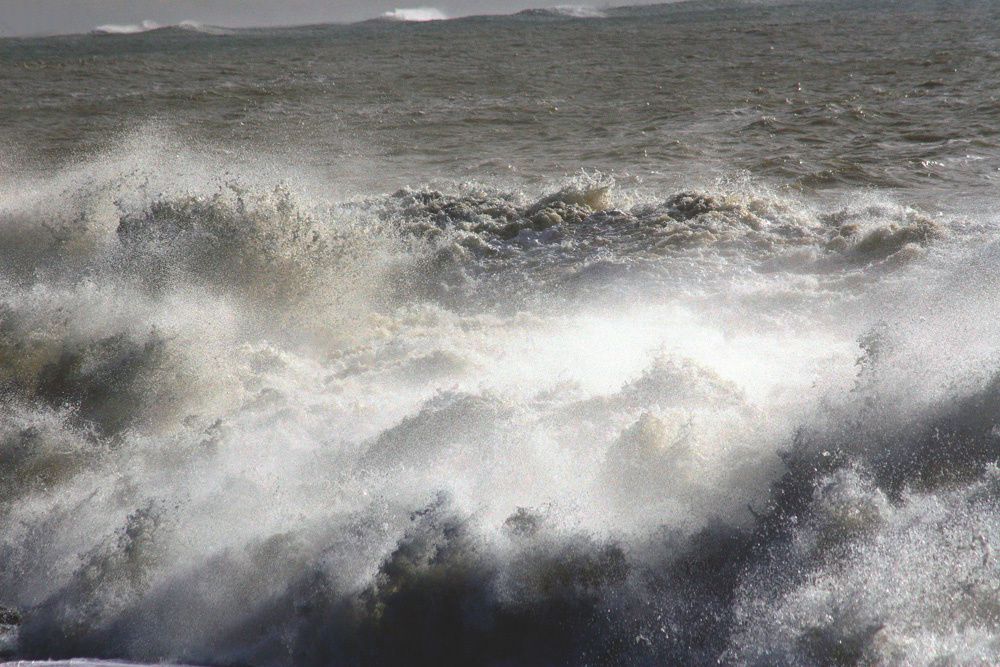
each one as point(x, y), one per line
point(126, 28)
point(415, 14)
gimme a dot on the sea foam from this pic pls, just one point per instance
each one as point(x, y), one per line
point(415, 14)
point(243, 421)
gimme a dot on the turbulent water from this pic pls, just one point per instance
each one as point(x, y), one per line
point(625, 337)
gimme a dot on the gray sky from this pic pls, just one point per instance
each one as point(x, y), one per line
point(31, 17)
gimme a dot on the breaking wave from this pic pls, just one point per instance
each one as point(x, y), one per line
point(126, 28)
point(147, 26)
point(243, 424)
point(415, 14)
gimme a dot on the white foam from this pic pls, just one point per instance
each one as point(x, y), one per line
point(415, 14)
point(579, 11)
point(126, 28)
point(147, 26)
point(280, 390)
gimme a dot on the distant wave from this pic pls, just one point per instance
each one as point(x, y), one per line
point(148, 26)
point(579, 11)
point(126, 28)
point(415, 14)
point(566, 11)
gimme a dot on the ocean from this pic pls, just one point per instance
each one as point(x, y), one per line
point(632, 336)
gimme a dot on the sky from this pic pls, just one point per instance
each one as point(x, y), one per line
point(42, 17)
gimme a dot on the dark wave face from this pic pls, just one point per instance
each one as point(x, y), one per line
point(658, 336)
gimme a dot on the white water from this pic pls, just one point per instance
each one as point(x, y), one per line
point(416, 14)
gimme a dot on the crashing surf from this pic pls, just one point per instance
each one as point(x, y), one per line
point(242, 424)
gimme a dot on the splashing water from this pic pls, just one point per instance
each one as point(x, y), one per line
point(417, 14)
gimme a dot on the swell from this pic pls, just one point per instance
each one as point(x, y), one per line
point(564, 11)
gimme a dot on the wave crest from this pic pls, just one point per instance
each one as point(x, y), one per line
point(565, 11)
point(149, 26)
point(415, 15)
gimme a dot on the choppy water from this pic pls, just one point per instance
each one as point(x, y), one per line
point(664, 335)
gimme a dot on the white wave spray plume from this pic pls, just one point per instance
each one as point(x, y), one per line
point(244, 420)
point(415, 14)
